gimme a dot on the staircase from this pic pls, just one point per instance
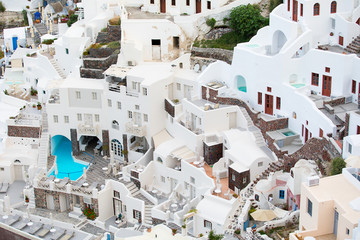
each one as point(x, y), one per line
point(44, 141)
point(41, 28)
point(147, 215)
point(247, 117)
point(354, 46)
point(259, 139)
point(57, 68)
point(297, 141)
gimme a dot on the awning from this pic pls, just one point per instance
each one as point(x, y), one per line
point(183, 153)
point(161, 137)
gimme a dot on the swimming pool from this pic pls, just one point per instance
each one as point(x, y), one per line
point(288, 133)
point(298, 85)
point(67, 167)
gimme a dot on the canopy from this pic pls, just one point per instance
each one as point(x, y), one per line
point(263, 215)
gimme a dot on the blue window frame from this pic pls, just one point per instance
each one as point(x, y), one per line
point(309, 207)
point(281, 194)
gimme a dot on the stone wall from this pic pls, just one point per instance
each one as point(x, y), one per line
point(169, 108)
point(238, 182)
point(213, 153)
point(273, 125)
point(335, 102)
point(113, 34)
point(125, 145)
point(91, 73)
point(347, 122)
point(22, 131)
point(74, 142)
point(40, 198)
point(202, 62)
point(106, 142)
point(100, 62)
point(156, 221)
point(99, 52)
point(213, 53)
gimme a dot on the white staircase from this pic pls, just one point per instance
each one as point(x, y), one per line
point(57, 68)
point(147, 215)
point(250, 123)
point(44, 142)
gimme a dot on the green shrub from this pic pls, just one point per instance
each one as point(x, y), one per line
point(2, 8)
point(337, 164)
point(6, 92)
point(213, 236)
point(115, 21)
point(225, 20)
point(226, 41)
point(48, 41)
point(273, 4)
point(104, 30)
point(24, 13)
point(72, 19)
point(115, 44)
point(89, 213)
point(211, 22)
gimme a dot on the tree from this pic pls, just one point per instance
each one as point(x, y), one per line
point(72, 19)
point(246, 20)
point(2, 8)
point(337, 164)
point(213, 236)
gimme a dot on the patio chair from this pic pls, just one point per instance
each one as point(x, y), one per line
point(44, 231)
point(4, 187)
point(34, 228)
point(91, 187)
point(57, 235)
point(68, 235)
point(78, 185)
point(62, 184)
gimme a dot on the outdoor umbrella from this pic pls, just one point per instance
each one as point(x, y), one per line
point(263, 215)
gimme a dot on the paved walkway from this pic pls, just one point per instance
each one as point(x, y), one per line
point(15, 192)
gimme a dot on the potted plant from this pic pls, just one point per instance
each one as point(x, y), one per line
point(39, 106)
point(26, 199)
point(89, 213)
point(34, 106)
point(173, 231)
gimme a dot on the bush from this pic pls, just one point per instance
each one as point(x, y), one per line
point(246, 20)
point(226, 41)
point(115, 44)
point(72, 19)
point(2, 8)
point(48, 41)
point(273, 4)
point(337, 164)
point(115, 21)
point(104, 30)
point(6, 92)
point(26, 21)
point(211, 22)
point(89, 213)
point(213, 236)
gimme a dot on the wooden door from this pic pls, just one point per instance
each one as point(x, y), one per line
point(295, 10)
point(269, 104)
point(198, 6)
point(306, 134)
point(163, 6)
point(326, 88)
point(341, 40)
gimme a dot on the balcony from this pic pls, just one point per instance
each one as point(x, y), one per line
point(88, 130)
point(136, 130)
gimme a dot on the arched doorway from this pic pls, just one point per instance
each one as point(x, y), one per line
point(278, 41)
point(241, 83)
point(116, 147)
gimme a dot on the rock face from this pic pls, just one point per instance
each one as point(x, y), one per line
point(213, 53)
point(11, 20)
point(217, 33)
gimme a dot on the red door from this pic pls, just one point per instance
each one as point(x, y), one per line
point(268, 104)
point(341, 40)
point(163, 6)
point(295, 10)
point(198, 6)
point(326, 90)
point(306, 134)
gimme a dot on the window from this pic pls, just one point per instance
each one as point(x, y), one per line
point(66, 119)
point(233, 177)
point(116, 194)
point(178, 86)
point(353, 86)
point(192, 180)
point(94, 95)
point(244, 180)
point(301, 9)
point(66, 50)
point(97, 118)
point(316, 9)
point(256, 197)
point(137, 107)
point(79, 117)
point(278, 103)
point(130, 114)
point(349, 147)
point(78, 94)
point(321, 133)
point(137, 214)
point(173, 2)
point(116, 147)
point(358, 130)
point(259, 98)
point(162, 179)
point(56, 119)
point(327, 69)
point(187, 2)
point(152, 1)
point(208, 5)
point(134, 85)
point(119, 105)
point(145, 91)
point(159, 159)
point(260, 164)
point(347, 231)
point(333, 7)
point(176, 42)
point(146, 119)
point(288, 5)
point(268, 89)
point(207, 224)
point(315, 79)
point(281, 194)
point(309, 207)
point(109, 103)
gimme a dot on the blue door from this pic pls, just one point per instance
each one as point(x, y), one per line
point(14, 40)
point(336, 220)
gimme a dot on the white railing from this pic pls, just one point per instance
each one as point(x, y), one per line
point(88, 129)
point(136, 130)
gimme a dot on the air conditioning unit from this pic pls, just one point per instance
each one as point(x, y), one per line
point(131, 63)
point(313, 181)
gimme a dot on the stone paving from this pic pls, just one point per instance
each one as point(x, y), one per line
point(136, 13)
point(89, 228)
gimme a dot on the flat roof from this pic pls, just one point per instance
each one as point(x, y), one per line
point(151, 72)
point(218, 213)
point(117, 71)
point(84, 83)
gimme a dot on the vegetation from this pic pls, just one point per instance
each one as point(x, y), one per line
point(213, 236)
point(337, 164)
point(273, 4)
point(48, 41)
point(246, 20)
point(252, 209)
point(1, 54)
point(115, 44)
point(33, 92)
point(72, 19)
point(115, 21)
point(6, 92)
point(89, 213)
point(226, 41)
point(2, 8)
point(26, 20)
point(211, 22)
point(237, 231)
point(174, 231)
point(104, 30)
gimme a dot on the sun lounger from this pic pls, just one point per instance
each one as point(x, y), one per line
point(12, 219)
point(34, 228)
point(57, 235)
point(44, 231)
point(68, 235)
point(4, 188)
point(63, 182)
point(91, 187)
point(78, 185)
point(22, 224)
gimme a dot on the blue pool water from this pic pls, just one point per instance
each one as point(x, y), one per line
point(298, 85)
point(61, 148)
point(242, 89)
point(289, 133)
